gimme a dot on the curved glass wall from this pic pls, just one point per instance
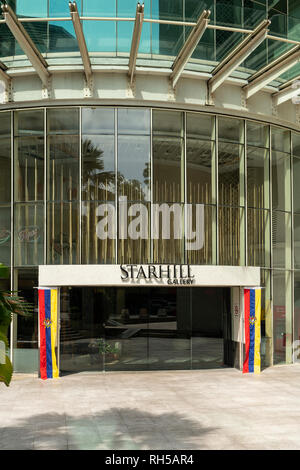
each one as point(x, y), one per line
point(96, 185)
point(159, 40)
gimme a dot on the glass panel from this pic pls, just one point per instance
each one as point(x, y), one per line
point(98, 121)
point(266, 350)
point(134, 167)
point(62, 36)
point(229, 12)
point(297, 308)
point(63, 233)
point(38, 33)
point(63, 168)
point(133, 236)
point(205, 49)
point(200, 235)
point(258, 177)
point(257, 134)
point(167, 123)
point(125, 346)
point(98, 234)
point(26, 328)
point(208, 326)
point(230, 243)
point(199, 170)
point(167, 223)
point(282, 317)
point(167, 39)
point(7, 42)
point(281, 181)
point(168, 169)
point(5, 164)
point(98, 167)
point(230, 158)
point(29, 122)
point(100, 39)
point(57, 8)
point(124, 36)
point(258, 238)
point(99, 8)
point(281, 139)
point(200, 126)
point(226, 41)
point(296, 144)
point(29, 234)
point(297, 241)
point(133, 121)
point(281, 235)
point(5, 235)
point(63, 121)
point(29, 168)
point(5, 158)
point(81, 328)
point(296, 185)
point(37, 9)
point(169, 328)
point(231, 130)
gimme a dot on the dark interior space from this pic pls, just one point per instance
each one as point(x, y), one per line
point(145, 328)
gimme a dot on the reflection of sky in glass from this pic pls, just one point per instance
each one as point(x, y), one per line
point(61, 8)
point(133, 121)
point(134, 158)
point(100, 36)
point(98, 121)
point(37, 8)
point(99, 8)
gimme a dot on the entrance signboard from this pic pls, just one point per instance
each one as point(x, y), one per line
point(160, 275)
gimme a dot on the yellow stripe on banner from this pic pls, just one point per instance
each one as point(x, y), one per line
point(257, 331)
point(54, 331)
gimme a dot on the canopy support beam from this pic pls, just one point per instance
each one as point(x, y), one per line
point(189, 47)
point(272, 71)
point(135, 42)
point(237, 56)
point(81, 41)
point(27, 45)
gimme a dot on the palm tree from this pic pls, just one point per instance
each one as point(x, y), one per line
point(9, 304)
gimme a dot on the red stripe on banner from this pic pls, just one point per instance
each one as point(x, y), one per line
point(43, 354)
point(247, 329)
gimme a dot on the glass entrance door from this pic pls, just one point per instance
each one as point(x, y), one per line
point(144, 328)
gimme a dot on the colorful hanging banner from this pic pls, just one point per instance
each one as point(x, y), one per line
point(48, 299)
point(252, 316)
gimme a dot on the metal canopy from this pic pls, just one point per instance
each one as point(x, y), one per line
point(287, 91)
point(238, 55)
point(189, 47)
point(135, 42)
point(3, 75)
point(81, 40)
point(26, 43)
point(272, 71)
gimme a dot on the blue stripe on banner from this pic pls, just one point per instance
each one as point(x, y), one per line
point(48, 332)
point(252, 330)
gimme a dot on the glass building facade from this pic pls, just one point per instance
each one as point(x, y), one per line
point(60, 164)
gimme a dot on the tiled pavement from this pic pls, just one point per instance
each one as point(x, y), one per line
point(209, 409)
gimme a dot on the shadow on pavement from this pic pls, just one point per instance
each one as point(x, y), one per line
point(113, 429)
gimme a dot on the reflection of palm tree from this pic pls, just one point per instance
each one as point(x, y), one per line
point(99, 184)
point(135, 189)
point(94, 176)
